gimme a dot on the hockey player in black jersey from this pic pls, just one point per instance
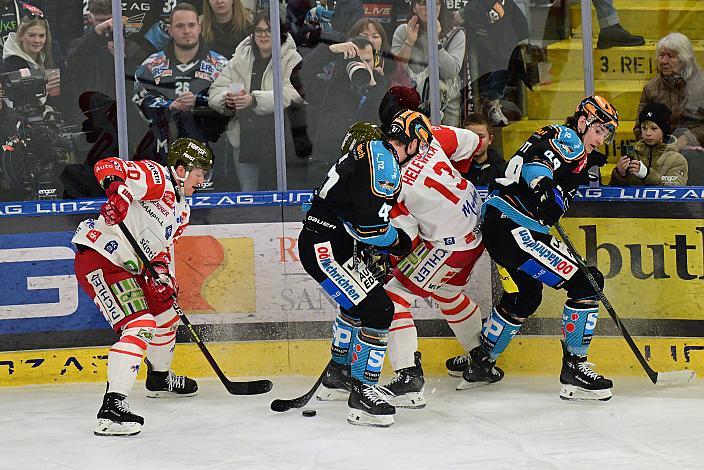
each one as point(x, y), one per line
point(540, 181)
point(351, 209)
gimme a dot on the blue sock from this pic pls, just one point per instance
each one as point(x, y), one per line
point(497, 332)
point(344, 330)
point(578, 322)
point(368, 351)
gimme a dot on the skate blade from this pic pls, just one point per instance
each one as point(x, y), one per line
point(454, 373)
point(106, 427)
point(332, 394)
point(574, 393)
point(167, 394)
point(362, 418)
point(675, 377)
point(412, 400)
point(464, 385)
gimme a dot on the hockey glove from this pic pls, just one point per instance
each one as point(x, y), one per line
point(403, 244)
point(164, 288)
point(377, 262)
point(115, 209)
point(596, 158)
point(552, 204)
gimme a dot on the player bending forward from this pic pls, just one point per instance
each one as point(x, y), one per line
point(352, 207)
point(540, 181)
point(442, 208)
point(151, 200)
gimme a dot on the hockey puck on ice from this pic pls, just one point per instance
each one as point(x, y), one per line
point(309, 413)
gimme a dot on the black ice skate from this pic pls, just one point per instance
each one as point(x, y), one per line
point(368, 407)
point(456, 365)
point(115, 418)
point(480, 370)
point(336, 384)
point(579, 381)
point(406, 390)
point(168, 384)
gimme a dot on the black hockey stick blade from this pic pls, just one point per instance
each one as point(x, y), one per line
point(254, 387)
point(280, 405)
point(677, 377)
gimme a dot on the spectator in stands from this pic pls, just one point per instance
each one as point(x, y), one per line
point(410, 46)
point(384, 61)
point(30, 48)
point(655, 160)
point(495, 30)
point(65, 19)
point(172, 86)
point(11, 14)
point(680, 85)
point(245, 91)
point(487, 163)
point(342, 88)
point(329, 21)
point(611, 32)
point(225, 24)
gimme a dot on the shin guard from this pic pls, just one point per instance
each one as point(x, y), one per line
point(578, 323)
point(368, 351)
point(344, 330)
point(497, 333)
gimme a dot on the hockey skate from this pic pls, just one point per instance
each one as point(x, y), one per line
point(115, 418)
point(336, 384)
point(579, 381)
point(368, 406)
point(480, 370)
point(406, 390)
point(456, 365)
point(168, 384)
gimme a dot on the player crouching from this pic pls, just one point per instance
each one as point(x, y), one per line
point(150, 200)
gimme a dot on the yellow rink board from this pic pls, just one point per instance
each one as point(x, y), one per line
point(530, 355)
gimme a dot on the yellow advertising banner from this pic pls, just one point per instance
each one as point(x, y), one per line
point(654, 268)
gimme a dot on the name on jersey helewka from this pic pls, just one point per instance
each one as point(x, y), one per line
point(412, 170)
point(339, 278)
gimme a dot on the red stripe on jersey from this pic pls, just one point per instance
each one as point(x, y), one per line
point(398, 209)
point(156, 180)
point(444, 300)
point(398, 299)
point(447, 139)
point(457, 309)
point(401, 328)
point(163, 344)
point(134, 340)
point(403, 315)
point(126, 352)
point(463, 318)
point(170, 333)
point(142, 324)
point(169, 323)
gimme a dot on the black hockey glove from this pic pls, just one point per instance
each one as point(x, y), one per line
point(552, 203)
point(403, 244)
point(596, 158)
point(377, 262)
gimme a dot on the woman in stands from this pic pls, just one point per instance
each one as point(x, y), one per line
point(225, 23)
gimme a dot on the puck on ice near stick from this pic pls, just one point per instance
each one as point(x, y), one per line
point(308, 413)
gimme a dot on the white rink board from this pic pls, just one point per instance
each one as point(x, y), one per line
point(519, 423)
point(285, 292)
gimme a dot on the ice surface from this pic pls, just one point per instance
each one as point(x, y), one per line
point(518, 423)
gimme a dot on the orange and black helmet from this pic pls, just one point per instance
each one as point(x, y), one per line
point(409, 125)
point(597, 109)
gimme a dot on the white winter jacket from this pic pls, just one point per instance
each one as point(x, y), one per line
point(239, 70)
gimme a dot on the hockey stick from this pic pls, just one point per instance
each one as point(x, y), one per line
point(254, 387)
point(676, 377)
point(280, 405)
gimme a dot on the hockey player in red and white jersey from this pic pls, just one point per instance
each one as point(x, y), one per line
point(151, 201)
point(441, 210)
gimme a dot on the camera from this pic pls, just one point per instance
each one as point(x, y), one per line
point(38, 144)
point(359, 74)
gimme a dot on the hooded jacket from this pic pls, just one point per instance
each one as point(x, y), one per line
point(15, 59)
point(684, 98)
point(239, 70)
point(666, 166)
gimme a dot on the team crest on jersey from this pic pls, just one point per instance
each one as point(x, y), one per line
point(111, 246)
point(169, 199)
point(208, 68)
point(93, 235)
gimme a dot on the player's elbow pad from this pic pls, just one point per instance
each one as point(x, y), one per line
point(403, 246)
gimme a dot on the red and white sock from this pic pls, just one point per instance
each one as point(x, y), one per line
point(125, 356)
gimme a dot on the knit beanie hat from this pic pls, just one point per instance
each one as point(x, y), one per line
point(659, 114)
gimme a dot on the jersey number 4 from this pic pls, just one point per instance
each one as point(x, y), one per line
point(439, 168)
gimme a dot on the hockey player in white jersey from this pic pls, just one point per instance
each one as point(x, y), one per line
point(151, 201)
point(441, 210)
